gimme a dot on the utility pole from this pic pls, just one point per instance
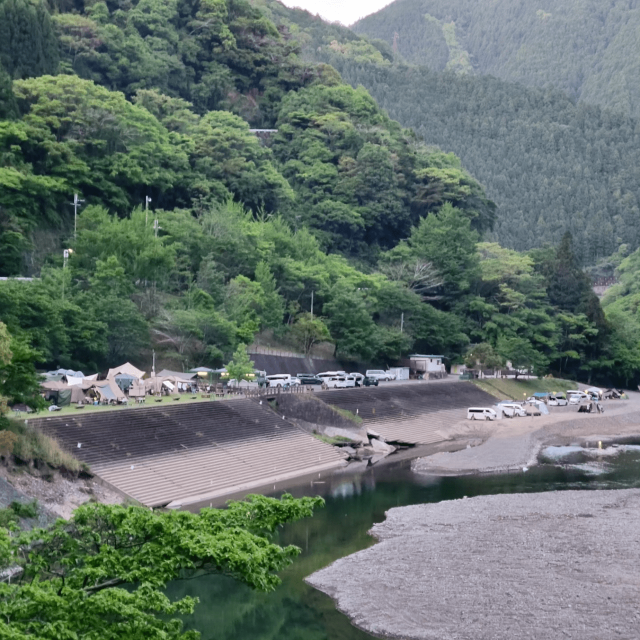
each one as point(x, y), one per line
point(156, 226)
point(312, 304)
point(147, 200)
point(65, 259)
point(402, 322)
point(153, 366)
point(75, 204)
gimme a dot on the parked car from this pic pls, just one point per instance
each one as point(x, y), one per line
point(558, 401)
point(379, 374)
point(358, 377)
point(576, 397)
point(336, 382)
point(481, 413)
point(331, 374)
point(513, 410)
point(282, 380)
point(308, 378)
point(350, 381)
point(370, 382)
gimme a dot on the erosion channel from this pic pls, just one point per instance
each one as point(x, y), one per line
point(354, 502)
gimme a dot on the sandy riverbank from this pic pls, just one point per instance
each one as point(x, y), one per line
point(512, 444)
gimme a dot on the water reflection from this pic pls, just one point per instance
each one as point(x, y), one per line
point(229, 611)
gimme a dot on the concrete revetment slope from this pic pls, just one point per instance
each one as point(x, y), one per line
point(193, 452)
point(411, 413)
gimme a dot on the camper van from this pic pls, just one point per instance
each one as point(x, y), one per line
point(512, 410)
point(481, 413)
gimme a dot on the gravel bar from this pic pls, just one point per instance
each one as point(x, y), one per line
point(503, 567)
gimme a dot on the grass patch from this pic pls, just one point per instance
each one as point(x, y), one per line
point(332, 439)
point(31, 445)
point(508, 389)
point(17, 510)
point(345, 413)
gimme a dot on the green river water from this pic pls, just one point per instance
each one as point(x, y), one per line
point(354, 501)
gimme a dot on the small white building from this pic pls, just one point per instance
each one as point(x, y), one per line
point(427, 364)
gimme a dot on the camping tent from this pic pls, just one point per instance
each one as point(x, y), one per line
point(126, 368)
point(108, 390)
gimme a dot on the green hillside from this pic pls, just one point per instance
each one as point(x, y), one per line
point(589, 48)
point(152, 103)
point(549, 164)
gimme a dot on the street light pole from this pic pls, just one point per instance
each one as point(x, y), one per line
point(147, 200)
point(75, 204)
point(312, 304)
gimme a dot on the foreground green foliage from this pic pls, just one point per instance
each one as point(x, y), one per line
point(103, 573)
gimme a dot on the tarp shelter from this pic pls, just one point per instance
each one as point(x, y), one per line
point(108, 390)
point(126, 368)
point(541, 394)
point(58, 391)
point(179, 375)
point(125, 380)
point(204, 370)
point(69, 373)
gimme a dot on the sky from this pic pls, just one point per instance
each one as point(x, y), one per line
point(345, 11)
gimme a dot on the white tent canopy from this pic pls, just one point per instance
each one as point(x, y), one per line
point(128, 369)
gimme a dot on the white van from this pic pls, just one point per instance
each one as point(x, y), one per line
point(513, 410)
point(379, 374)
point(282, 380)
point(325, 375)
point(481, 413)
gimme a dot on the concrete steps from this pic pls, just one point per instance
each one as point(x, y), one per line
point(158, 455)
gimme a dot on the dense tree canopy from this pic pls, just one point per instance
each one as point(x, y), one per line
point(195, 234)
point(588, 48)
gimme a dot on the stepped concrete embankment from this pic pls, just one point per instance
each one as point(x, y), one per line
point(411, 413)
point(193, 453)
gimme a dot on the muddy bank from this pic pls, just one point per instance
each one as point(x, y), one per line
point(548, 565)
point(514, 444)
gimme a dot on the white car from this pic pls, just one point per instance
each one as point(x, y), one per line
point(558, 401)
point(325, 375)
point(359, 379)
point(282, 380)
point(513, 410)
point(380, 375)
point(577, 397)
point(338, 382)
point(481, 413)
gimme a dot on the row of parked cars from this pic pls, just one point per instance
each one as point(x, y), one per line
point(537, 404)
point(330, 379)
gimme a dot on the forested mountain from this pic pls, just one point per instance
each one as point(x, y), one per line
point(549, 164)
point(155, 100)
point(588, 48)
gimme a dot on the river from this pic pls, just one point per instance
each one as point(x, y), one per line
point(354, 501)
